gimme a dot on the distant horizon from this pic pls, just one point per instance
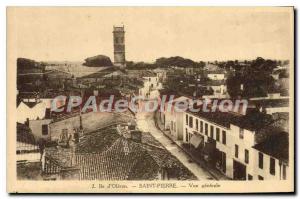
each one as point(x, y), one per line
point(211, 61)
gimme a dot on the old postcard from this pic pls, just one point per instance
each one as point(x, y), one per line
point(150, 99)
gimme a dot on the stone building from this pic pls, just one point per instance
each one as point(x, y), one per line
point(119, 46)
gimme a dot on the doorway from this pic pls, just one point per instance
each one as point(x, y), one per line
point(239, 171)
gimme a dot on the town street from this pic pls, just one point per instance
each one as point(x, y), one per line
point(146, 123)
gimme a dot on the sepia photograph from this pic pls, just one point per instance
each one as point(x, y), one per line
point(150, 99)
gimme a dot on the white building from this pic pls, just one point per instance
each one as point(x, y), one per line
point(173, 119)
point(216, 76)
point(218, 87)
point(40, 128)
point(214, 72)
point(230, 142)
point(272, 158)
point(150, 87)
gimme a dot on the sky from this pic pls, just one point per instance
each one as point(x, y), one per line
point(207, 34)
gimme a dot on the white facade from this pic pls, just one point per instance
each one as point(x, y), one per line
point(173, 119)
point(281, 169)
point(203, 127)
point(24, 112)
point(216, 76)
point(37, 111)
point(40, 128)
point(236, 146)
point(150, 88)
point(219, 90)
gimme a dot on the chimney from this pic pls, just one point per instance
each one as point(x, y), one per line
point(27, 121)
point(136, 135)
point(76, 137)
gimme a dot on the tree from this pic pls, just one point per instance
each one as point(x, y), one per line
point(201, 64)
point(175, 61)
point(98, 61)
point(234, 85)
point(256, 77)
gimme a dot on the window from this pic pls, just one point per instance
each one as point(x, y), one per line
point(241, 133)
point(236, 151)
point(206, 129)
point(197, 125)
point(191, 122)
point(186, 119)
point(260, 160)
point(201, 126)
point(224, 162)
point(186, 135)
point(246, 156)
point(283, 172)
point(218, 134)
point(44, 129)
point(260, 178)
point(272, 166)
point(224, 137)
point(212, 131)
point(250, 177)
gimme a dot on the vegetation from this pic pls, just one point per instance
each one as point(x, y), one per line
point(178, 61)
point(98, 61)
point(165, 63)
point(255, 77)
point(140, 65)
point(28, 65)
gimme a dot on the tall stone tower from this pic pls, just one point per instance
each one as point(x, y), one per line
point(119, 46)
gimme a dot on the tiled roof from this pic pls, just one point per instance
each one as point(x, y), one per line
point(97, 142)
point(113, 164)
point(220, 118)
point(101, 73)
point(272, 102)
point(62, 156)
point(253, 121)
point(141, 73)
point(113, 157)
point(127, 160)
point(276, 145)
point(120, 161)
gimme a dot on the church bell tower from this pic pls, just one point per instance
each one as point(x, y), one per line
point(119, 46)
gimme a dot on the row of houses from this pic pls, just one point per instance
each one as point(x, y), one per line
point(241, 146)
